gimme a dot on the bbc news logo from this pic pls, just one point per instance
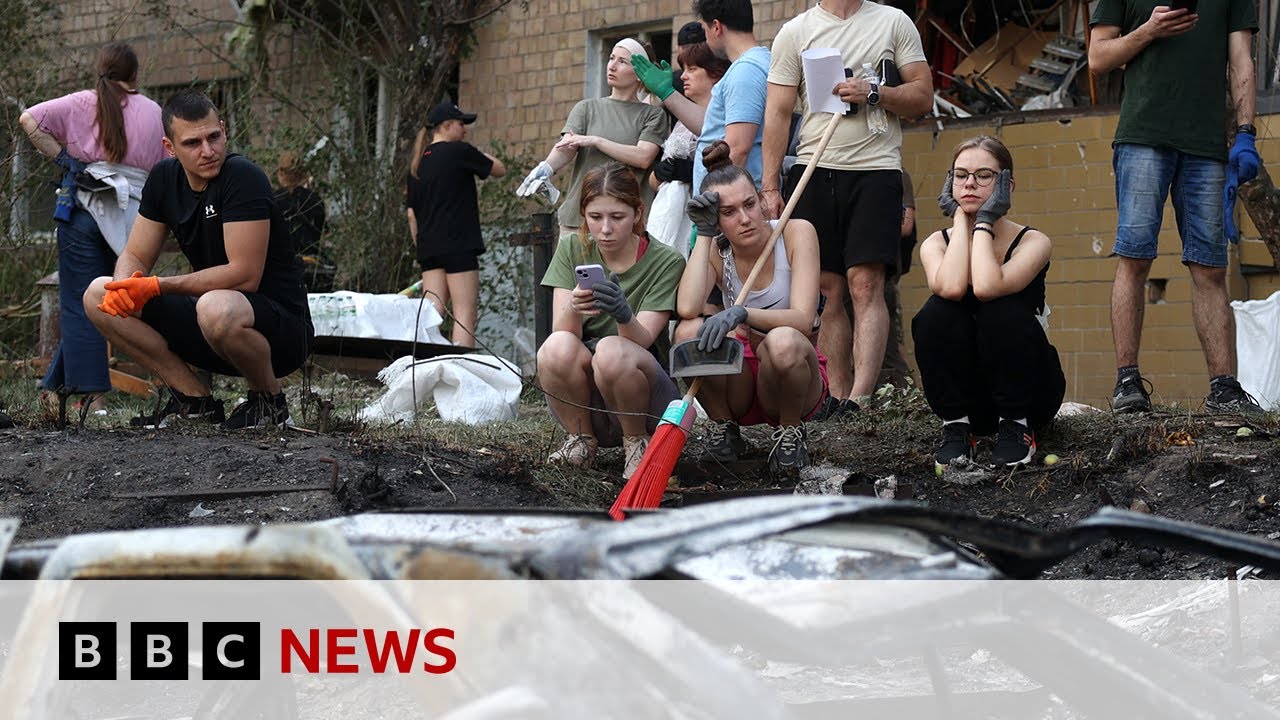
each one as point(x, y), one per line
point(158, 651)
point(233, 650)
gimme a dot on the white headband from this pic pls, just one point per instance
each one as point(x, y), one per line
point(634, 46)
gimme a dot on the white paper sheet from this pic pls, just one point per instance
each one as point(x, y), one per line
point(823, 70)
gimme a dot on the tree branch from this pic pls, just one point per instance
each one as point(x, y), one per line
point(467, 21)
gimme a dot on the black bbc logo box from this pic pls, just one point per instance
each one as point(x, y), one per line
point(158, 651)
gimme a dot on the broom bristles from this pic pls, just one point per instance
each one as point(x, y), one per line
point(645, 488)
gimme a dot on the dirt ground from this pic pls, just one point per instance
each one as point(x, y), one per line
point(107, 476)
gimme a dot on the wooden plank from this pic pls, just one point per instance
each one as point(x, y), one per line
point(130, 384)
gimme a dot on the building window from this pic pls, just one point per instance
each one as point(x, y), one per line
point(601, 42)
point(226, 94)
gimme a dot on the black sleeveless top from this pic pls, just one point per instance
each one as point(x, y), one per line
point(1032, 294)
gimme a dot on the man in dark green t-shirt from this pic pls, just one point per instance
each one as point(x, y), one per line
point(1171, 139)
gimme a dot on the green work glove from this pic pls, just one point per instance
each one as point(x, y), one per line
point(657, 78)
point(998, 204)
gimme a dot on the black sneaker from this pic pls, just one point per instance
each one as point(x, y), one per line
point(182, 407)
point(260, 410)
point(790, 450)
point(1016, 444)
point(957, 442)
point(1226, 396)
point(724, 442)
point(6, 422)
point(1131, 395)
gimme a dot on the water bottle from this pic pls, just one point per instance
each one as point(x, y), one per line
point(65, 203)
point(877, 120)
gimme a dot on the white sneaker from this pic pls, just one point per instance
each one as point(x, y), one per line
point(578, 450)
point(634, 447)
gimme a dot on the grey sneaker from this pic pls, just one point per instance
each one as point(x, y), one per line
point(1226, 396)
point(724, 442)
point(790, 449)
point(1131, 395)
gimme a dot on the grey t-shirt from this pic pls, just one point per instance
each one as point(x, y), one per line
point(622, 122)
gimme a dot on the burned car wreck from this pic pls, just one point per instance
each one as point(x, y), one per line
point(777, 624)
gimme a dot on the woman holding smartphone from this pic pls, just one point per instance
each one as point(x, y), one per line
point(620, 127)
point(603, 367)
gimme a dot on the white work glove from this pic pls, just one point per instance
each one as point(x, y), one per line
point(537, 176)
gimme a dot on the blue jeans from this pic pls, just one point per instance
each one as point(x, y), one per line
point(79, 364)
point(1144, 177)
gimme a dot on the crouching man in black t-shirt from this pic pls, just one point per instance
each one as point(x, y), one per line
point(243, 308)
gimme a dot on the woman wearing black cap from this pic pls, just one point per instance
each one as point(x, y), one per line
point(444, 214)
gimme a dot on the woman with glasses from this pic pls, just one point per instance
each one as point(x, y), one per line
point(985, 362)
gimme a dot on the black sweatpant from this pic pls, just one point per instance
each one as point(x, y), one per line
point(987, 360)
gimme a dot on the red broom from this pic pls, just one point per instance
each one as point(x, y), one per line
point(645, 488)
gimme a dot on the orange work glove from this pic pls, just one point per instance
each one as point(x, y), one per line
point(126, 297)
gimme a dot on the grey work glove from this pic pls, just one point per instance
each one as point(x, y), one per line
point(704, 210)
point(998, 204)
point(611, 299)
point(945, 200)
point(713, 331)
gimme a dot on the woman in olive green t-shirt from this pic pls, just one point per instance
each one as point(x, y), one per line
point(602, 368)
point(619, 128)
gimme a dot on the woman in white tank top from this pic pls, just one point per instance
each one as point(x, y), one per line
point(783, 381)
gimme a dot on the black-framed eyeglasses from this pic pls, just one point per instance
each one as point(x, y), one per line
point(982, 176)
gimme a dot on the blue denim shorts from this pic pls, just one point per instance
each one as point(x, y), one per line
point(1145, 176)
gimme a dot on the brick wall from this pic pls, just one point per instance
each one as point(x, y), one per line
point(168, 57)
point(527, 73)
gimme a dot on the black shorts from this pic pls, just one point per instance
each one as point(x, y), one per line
point(458, 262)
point(857, 213)
point(289, 334)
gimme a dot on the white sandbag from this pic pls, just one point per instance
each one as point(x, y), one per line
point(365, 315)
point(668, 222)
point(1067, 409)
point(1258, 349)
point(474, 389)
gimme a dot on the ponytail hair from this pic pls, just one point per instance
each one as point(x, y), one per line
point(419, 147)
point(117, 63)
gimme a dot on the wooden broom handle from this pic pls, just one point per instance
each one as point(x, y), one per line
point(786, 212)
point(696, 385)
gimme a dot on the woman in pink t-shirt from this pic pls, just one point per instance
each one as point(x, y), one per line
point(117, 130)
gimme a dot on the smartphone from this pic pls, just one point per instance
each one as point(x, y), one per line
point(889, 75)
point(1188, 5)
point(589, 275)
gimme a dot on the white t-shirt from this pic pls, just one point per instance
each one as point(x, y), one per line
point(872, 34)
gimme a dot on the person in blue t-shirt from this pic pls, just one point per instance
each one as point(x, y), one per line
point(736, 112)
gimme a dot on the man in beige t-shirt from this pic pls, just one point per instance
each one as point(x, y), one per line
point(854, 199)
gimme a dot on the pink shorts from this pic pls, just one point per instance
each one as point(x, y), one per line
point(756, 414)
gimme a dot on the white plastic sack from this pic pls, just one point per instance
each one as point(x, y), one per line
point(474, 389)
point(365, 315)
point(668, 222)
point(1258, 349)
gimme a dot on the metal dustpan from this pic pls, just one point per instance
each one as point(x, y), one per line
point(688, 361)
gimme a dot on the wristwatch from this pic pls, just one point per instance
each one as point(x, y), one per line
point(1248, 129)
point(873, 97)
